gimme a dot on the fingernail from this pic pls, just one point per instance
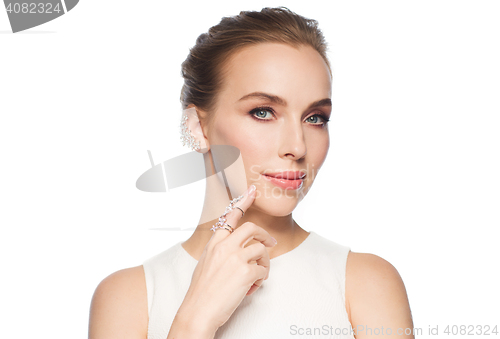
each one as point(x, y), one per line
point(275, 242)
point(251, 189)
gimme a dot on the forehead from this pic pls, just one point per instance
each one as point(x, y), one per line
point(297, 74)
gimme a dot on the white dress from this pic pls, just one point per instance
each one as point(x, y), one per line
point(304, 295)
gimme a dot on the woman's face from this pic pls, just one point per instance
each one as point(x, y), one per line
point(273, 106)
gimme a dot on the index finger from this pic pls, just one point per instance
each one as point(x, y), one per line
point(235, 215)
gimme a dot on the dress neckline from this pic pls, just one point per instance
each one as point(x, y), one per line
point(303, 244)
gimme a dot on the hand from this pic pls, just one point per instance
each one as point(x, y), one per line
point(224, 274)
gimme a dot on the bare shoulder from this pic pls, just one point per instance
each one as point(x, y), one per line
point(361, 266)
point(375, 293)
point(119, 307)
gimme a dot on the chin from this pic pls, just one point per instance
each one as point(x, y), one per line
point(277, 206)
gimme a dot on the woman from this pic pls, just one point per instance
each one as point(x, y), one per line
point(260, 82)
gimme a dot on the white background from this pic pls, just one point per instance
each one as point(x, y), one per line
point(412, 172)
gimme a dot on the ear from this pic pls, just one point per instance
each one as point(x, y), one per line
point(194, 127)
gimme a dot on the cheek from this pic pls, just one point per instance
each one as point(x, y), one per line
point(322, 151)
point(317, 151)
point(255, 150)
point(252, 141)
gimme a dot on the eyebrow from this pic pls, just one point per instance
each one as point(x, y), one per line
point(280, 101)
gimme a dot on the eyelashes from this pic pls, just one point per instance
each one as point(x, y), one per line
point(254, 113)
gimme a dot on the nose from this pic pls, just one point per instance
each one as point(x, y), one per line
point(293, 144)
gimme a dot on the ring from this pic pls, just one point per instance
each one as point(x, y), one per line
point(240, 210)
point(222, 220)
point(227, 227)
point(231, 227)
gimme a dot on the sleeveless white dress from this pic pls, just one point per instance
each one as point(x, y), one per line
point(303, 296)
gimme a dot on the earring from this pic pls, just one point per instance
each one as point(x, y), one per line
point(186, 136)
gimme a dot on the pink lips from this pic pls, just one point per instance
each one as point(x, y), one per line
point(286, 179)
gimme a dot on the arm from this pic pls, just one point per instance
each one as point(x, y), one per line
point(376, 298)
point(119, 307)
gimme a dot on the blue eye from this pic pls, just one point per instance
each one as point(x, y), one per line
point(314, 121)
point(320, 120)
point(260, 113)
